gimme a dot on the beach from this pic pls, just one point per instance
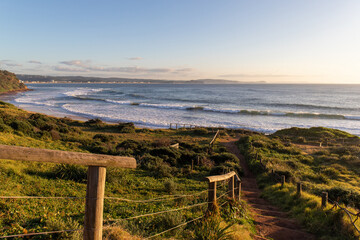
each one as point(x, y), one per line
point(259, 107)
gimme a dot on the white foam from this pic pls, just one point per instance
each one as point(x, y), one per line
point(82, 91)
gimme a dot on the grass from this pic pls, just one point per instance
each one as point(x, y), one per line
point(333, 168)
point(162, 171)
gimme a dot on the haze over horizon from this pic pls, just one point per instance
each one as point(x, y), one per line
point(273, 41)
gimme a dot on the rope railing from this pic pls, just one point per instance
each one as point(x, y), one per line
point(156, 199)
point(156, 213)
point(196, 197)
point(38, 197)
point(278, 177)
point(348, 213)
point(40, 233)
point(183, 224)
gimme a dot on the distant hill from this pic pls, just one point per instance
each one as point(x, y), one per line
point(81, 79)
point(9, 82)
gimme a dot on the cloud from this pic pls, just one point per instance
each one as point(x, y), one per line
point(87, 66)
point(135, 58)
point(69, 69)
point(77, 63)
point(34, 61)
point(9, 63)
point(257, 75)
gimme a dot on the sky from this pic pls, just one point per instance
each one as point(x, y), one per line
point(277, 41)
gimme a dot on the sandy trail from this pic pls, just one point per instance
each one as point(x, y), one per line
point(270, 221)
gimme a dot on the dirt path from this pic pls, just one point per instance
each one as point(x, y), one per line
point(270, 221)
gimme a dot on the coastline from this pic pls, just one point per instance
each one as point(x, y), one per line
point(15, 91)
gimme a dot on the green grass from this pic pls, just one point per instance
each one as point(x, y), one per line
point(162, 171)
point(334, 169)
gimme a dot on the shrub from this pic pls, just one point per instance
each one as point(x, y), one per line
point(211, 229)
point(22, 126)
point(117, 232)
point(170, 186)
point(5, 128)
point(56, 224)
point(224, 157)
point(156, 166)
point(169, 155)
point(103, 137)
point(126, 127)
point(201, 131)
point(70, 172)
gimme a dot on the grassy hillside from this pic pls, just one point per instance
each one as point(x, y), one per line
point(321, 159)
point(162, 171)
point(9, 82)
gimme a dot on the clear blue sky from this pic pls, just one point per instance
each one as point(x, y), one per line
point(276, 41)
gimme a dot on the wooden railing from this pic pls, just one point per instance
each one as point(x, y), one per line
point(234, 188)
point(214, 138)
point(96, 163)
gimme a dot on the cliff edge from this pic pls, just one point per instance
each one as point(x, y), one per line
point(10, 83)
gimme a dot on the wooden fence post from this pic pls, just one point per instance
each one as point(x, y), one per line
point(324, 199)
point(238, 190)
point(282, 180)
point(211, 196)
point(299, 188)
point(176, 126)
point(170, 125)
point(94, 203)
point(231, 192)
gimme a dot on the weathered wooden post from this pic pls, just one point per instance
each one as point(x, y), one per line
point(96, 163)
point(324, 199)
point(299, 188)
point(238, 189)
point(282, 180)
point(231, 192)
point(212, 196)
point(94, 205)
point(176, 126)
point(170, 125)
point(212, 188)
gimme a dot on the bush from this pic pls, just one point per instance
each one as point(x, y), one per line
point(126, 127)
point(201, 131)
point(5, 128)
point(227, 167)
point(22, 126)
point(70, 172)
point(156, 166)
point(211, 229)
point(169, 155)
point(224, 157)
point(56, 224)
point(103, 137)
point(170, 186)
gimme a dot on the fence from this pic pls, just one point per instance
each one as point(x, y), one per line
point(94, 200)
point(95, 179)
point(353, 217)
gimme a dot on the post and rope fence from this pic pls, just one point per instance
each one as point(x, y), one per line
point(94, 200)
point(96, 174)
point(353, 217)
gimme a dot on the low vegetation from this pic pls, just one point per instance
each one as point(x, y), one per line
point(9, 82)
point(162, 171)
point(321, 159)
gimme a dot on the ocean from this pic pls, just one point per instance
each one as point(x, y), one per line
point(261, 107)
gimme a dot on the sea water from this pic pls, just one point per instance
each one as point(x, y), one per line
point(261, 107)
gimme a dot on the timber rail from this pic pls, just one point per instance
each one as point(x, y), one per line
point(96, 174)
point(230, 189)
